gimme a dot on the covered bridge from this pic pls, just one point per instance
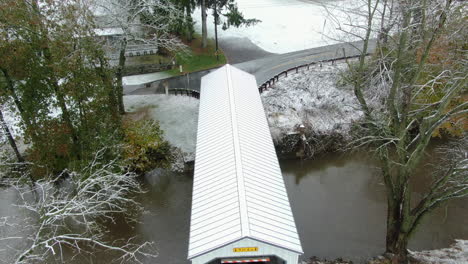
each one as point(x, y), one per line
point(240, 207)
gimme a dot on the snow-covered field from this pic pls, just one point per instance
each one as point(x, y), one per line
point(290, 25)
point(312, 99)
point(177, 116)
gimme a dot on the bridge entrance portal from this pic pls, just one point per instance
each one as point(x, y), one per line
point(250, 260)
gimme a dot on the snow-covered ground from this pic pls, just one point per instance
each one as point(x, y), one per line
point(291, 25)
point(144, 78)
point(177, 116)
point(456, 254)
point(12, 120)
point(312, 99)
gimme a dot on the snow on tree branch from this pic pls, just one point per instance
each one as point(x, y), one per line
point(67, 212)
point(143, 21)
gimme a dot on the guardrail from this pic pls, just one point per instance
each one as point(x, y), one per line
point(186, 92)
point(159, 88)
point(267, 84)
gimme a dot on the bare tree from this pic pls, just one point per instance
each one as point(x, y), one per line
point(421, 73)
point(70, 216)
point(143, 22)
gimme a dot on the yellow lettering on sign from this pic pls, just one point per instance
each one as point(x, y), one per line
point(245, 249)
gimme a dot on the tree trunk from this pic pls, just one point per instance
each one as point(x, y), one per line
point(112, 97)
point(216, 30)
point(29, 122)
point(53, 82)
point(399, 224)
point(66, 117)
point(204, 26)
point(11, 140)
point(397, 244)
point(119, 75)
point(189, 22)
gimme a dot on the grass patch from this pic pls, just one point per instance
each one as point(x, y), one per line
point(200, 59)
point(147, 59)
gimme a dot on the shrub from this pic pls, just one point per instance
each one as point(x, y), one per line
point(145, 147)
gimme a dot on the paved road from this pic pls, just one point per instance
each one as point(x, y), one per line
point(238, 50)
point(266, 68)
point(263, 69)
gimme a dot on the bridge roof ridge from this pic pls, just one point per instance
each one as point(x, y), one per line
point(245, 229)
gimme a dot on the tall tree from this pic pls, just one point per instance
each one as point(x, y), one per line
point(56, 76)
point(422, 77)
point(204, 26)
point(223, 8)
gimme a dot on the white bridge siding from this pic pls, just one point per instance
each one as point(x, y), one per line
point(238, 191)
point(263, 250)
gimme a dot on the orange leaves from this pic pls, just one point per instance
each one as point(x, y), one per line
point(455, 126)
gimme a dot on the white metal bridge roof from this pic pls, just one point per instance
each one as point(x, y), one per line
point(238, 188)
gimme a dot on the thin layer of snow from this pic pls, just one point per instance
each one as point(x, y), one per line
point(144, 78)
point(455, 254)
point(12, 120)
point(177, 116)
point(291, 25)
point(311, 98)
point(108, 31)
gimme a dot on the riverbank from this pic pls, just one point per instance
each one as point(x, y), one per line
point(457, 253)
point(310, 112)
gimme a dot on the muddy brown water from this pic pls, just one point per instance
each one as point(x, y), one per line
point(338, 203)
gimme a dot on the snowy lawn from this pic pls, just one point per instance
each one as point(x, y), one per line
point(177, 116)
point(311, 98)
point(291, 25)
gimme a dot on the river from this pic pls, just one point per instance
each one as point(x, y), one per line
point(338, 202)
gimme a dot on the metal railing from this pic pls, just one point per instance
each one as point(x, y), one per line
point(269, 83)
point(185, 92)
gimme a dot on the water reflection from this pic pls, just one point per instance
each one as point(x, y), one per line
point(338, 203)
point(168, 220)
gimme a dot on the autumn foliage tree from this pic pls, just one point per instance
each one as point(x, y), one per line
point(55, 78)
